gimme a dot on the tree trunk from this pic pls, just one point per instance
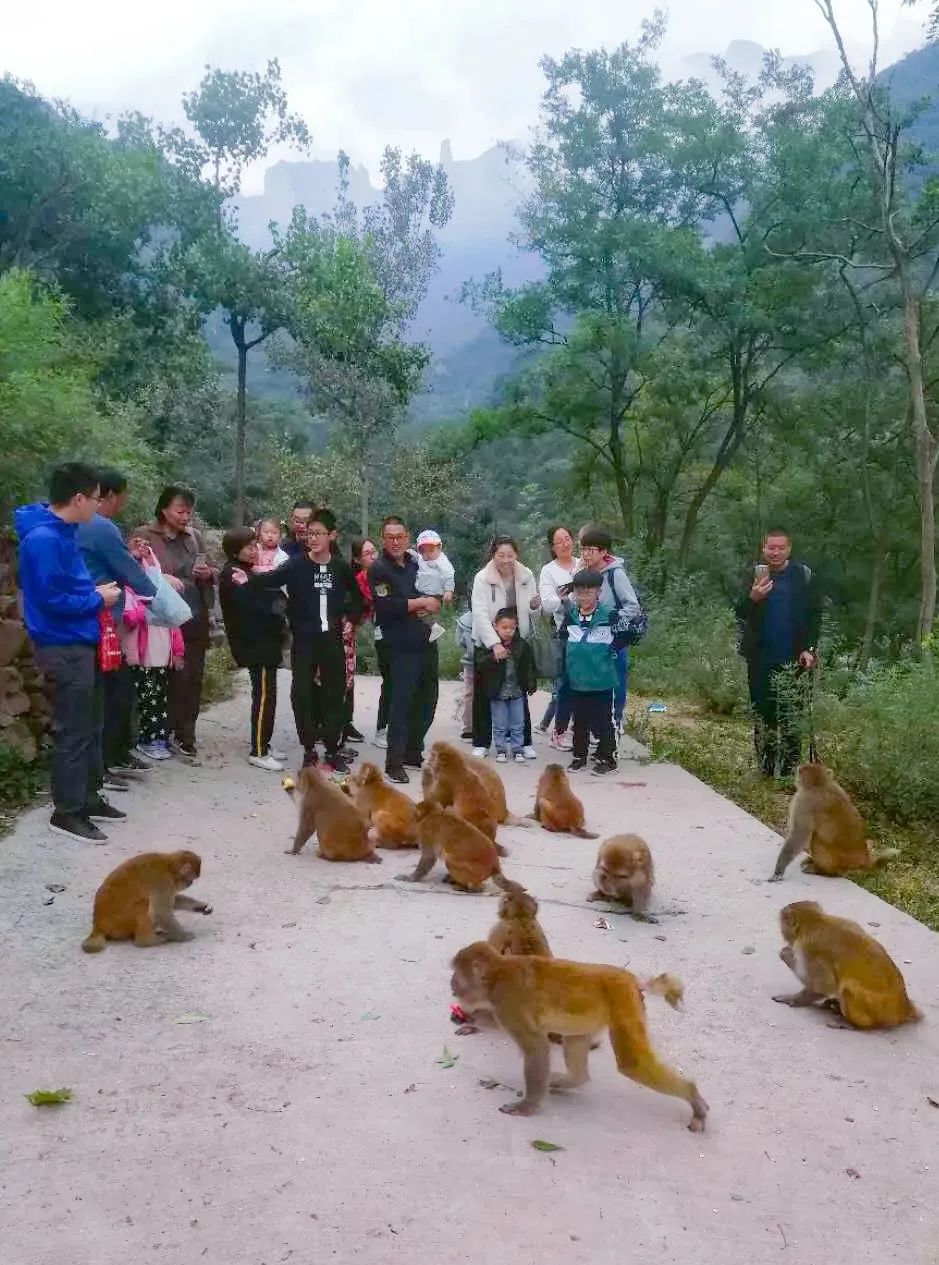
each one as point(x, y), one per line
point(878, 575)
point(241, 426)
point(926, 452)
point(364, 508)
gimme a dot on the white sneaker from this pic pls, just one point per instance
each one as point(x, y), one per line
point(529, 753)
point(267, 763)
point(518, 758)
point(481, 752)
point(381, 739)
point(501, 758)
point(277, 755)
point(562, 742)
point(436, 632)
point(153, 751)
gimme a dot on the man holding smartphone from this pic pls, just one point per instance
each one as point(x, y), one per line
point(779, 618)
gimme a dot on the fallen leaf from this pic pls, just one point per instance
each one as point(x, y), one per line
point(49, 1097)
point(447, 1059)
point(193, 1017)
point(852, 1172)
point(48, 900)
point(546, 1146)
point(660, 937)
point(602, 925)
point(323, 900)
point(55, 887)
point(932, 1101)
point(488, 1083)
point(285, 925)
point(369, 1014)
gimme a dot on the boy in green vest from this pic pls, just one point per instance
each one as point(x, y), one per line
point(591, 672)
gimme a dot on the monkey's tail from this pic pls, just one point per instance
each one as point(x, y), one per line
point(667, 986)
point(507, 884)
point(95, 942)
point(580, 833)
point(512, 820)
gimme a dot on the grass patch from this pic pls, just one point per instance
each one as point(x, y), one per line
point(718, 750)
point(218, 683)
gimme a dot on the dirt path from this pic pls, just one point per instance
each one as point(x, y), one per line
point(270, 1092)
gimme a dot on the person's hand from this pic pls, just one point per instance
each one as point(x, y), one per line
point(535, 602)
point(110, 593)
point(807, 659)
point(202, 572)
point(448, 598)
point(761, 589)
point(174, 582)
point(499, 652)
point(431, 605)
point(178, 662)
point(238, 576)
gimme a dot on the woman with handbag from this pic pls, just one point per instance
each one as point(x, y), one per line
point(503, 583)
point(554, 586)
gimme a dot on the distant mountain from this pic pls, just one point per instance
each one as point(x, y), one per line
point(746, 58)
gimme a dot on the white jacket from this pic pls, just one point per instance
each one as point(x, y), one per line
point(489, 597)
point(554, 575)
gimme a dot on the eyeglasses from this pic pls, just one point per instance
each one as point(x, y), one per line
point(398, 535)
point(316, 531)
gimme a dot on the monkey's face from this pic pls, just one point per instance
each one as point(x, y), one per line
point(188, 867)
point(792, 917)
point(468, 982)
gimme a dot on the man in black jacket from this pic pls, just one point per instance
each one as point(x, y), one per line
point(321, 590)
point(779, 618)
point(414, 670)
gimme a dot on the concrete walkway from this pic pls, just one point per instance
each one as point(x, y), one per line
point(271, 1091)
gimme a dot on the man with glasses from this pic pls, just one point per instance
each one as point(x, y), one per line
point(62, 607)
point(414, 670)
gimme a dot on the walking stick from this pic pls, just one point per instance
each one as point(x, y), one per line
point(813, 744)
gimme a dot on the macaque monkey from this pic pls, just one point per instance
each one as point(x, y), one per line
point(136, 901)
point(518, 930)
point(624, 872)
point(557, 808)
point(469, 855)
point(392, 814)
point(824, 823)
point(533, 996)
point(341, 830)
point(448, 780)
point(489, 774)
point(838, 962)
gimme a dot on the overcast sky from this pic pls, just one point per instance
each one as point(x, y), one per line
point(368, 72)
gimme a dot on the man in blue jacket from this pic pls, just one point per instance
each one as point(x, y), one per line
point(108, 558)
point(61, 604)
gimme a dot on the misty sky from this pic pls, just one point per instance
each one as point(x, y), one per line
point(368, 72)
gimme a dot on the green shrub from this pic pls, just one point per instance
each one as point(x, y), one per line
point(19, 778)
point(218, 683)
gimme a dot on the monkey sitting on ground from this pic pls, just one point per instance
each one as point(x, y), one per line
point(448, 780)
point(341, 830)
point(838, 962)
point(136, 901)
point(493, 784)
point(518, 930)
point(557, 808)
point(533, 996)
point(392, 814)
point(824, 823)
point(624, 872)
point(469, 855)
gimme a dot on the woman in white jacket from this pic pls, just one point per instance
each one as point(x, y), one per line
point(503, 582)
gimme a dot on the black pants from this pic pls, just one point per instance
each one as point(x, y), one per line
point(76, 687)
point(318, 689)
point(118, 735)
point(383, 655)
point(263, 707)
point(414, 689)
point(482, 715)
point(593, 714)
point(777, 701)
point(184, 686)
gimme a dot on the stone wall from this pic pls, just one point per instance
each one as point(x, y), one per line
point(24, 708)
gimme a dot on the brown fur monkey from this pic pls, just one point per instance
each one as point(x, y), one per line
point(489, 774)
point(824, 823)
point(533, 996)
point(518, 929)
point(392, 814)
point(557, 808)
point(469, 855)
point(341, 830)
point(451, 783)
point(136, 901)
point(838, 962)
point(624, 872)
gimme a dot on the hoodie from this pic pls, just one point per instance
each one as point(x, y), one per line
point(617, 591)
point(60, 602)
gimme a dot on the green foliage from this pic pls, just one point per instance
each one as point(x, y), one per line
point(218, 684)
point(19, 778)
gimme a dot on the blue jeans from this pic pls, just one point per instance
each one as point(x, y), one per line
point(622, 678)
point(508, 723)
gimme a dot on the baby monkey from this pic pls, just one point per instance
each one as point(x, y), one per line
point(557, 808)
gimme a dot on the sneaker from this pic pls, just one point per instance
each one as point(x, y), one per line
point(436, 633)
point(561, 741)
point(186, 750)
point(529, 753)
point(275, 754)
point(130, 764)
point(381, 739)
point(353, 735)
point(114, 783)
point(480, 752)
point(100, 810)
point(310, 758)
point(336, 763)
point(466, 735)
point(266, 762)
point(348, 753)
point(413, 762)
point(576, 765)
point(518, 758)
point(502, 758)
point(543, 729)
point(602, 767)
point(73, 827)
point(397, 774)
point(153, 750)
